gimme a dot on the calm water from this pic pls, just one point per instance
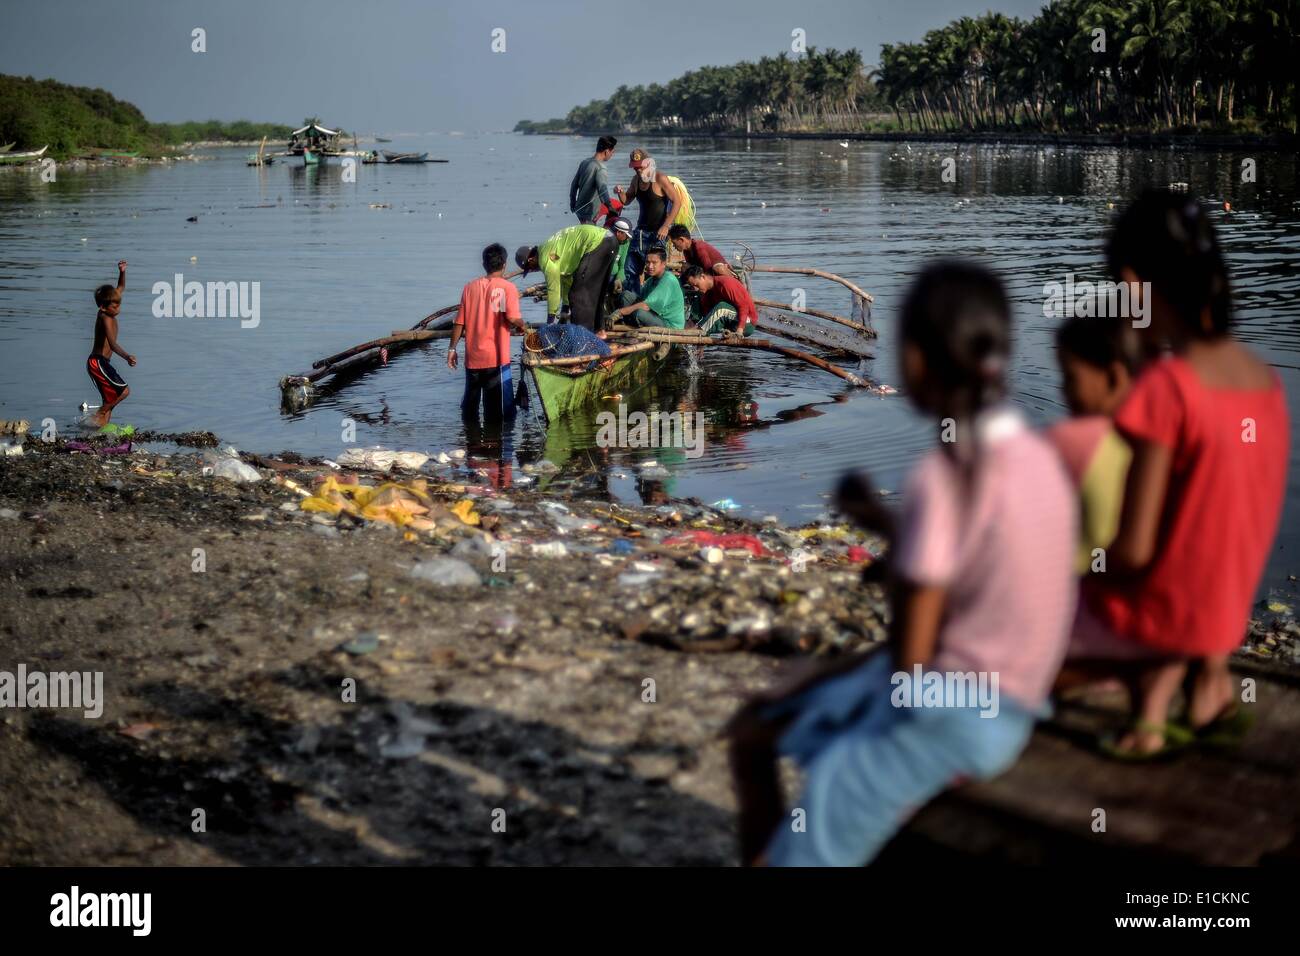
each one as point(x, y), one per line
point(334, 272)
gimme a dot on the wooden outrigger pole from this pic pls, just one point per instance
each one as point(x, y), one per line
point(775, 318)
point(688, 337)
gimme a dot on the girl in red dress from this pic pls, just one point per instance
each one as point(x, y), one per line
point(1207, 423)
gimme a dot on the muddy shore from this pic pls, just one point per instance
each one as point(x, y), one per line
point(522, 689)
point(525, 693)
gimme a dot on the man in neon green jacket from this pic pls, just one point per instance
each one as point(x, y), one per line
point(576, 263)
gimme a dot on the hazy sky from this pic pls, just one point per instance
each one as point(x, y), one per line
point(405, 65)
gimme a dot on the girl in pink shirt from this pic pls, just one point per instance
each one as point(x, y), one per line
point(984, 597)
point(1207, 424)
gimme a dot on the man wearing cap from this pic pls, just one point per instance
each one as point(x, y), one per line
point(658, 202)
point(576, 263)
point(622, 230)
point(659, 303)
point(590, 187)
point(725, 303)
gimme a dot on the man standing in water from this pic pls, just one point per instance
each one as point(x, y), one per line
point(590, 187)
point(659, 202)
point(489, 305)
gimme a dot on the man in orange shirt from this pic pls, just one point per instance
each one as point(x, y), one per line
point(488, 307)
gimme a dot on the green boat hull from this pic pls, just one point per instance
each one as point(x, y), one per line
point(564, 394)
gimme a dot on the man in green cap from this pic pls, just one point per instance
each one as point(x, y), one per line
point(576, 263)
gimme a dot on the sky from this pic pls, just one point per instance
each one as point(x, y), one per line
point(416, 67)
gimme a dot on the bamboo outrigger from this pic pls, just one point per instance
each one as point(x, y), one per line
point(569, 383)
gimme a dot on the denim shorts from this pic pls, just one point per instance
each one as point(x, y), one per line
point(869, 765)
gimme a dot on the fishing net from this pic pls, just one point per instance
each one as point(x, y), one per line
point(564, 340)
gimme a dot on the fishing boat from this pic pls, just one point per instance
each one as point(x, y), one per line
point(310, 158)
point(405, 157)
point(23, 157)
point(318, 140)
point(261, 158)
point(380, 139)
point(567, 385)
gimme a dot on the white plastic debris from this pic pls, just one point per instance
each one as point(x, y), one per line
point(233, 469)
point(446, 572)
point(382, 459)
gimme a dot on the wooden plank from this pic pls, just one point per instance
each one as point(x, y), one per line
point(1226, 808)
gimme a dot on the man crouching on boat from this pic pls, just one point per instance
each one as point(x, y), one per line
point(660, 303)
point(489, 305)
point(725, 303)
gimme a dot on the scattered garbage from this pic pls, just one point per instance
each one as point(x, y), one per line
point(81, 446)
point(446, 572)
point(233, 469)
point(726, 504)
point(367, 642)
point(401, 505)
point(548, 549)
point(9, 448)
point(382, 459)
point(727, 542)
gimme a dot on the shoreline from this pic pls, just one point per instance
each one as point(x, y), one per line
point(79, 164)
point(581, 685)
point(1201, 141)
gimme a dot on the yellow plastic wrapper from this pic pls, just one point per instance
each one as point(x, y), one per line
point(464, 510)
point(392, 502)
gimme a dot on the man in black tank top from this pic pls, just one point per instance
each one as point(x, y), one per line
point(658, 202)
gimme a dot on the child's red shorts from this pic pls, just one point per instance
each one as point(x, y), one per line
point(110, 384)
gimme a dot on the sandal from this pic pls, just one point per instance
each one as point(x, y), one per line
point(1226, 731)
point(1177, 739)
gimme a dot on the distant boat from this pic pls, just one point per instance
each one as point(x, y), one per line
point(309, 158)
point(378, 139)
point(23, 157)
point(405, 157)
point(260, 158)
point(9, 146)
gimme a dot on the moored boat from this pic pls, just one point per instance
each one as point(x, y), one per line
point(390, 157)
point(23, 157)
point(567, 385)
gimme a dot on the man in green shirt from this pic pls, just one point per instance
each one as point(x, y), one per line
point(576, 263)
point(660, 302)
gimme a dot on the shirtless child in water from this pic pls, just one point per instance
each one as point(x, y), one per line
point(112, 388)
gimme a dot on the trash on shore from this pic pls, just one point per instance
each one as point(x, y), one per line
point(381, 459)
point(446, 572)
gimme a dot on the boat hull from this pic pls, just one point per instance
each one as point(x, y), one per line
point(563, 394)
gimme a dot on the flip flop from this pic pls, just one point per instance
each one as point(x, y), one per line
point(1177, 740)
point(1226, 731)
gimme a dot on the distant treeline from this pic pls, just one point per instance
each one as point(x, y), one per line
point(1079, 66)
point(34, 113)
point(1084, 65)
point(818, 89)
